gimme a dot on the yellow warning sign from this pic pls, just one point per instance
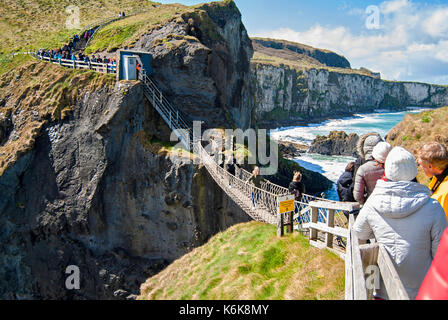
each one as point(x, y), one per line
point(287, 204)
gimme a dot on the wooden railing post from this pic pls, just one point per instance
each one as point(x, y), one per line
point(330, 223)
point(291, 222)
point(314, 219)
point(280, 225)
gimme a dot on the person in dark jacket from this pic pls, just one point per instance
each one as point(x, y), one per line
point(297, 189)
point(256, 181)
point(296, 186)
point(345, 184)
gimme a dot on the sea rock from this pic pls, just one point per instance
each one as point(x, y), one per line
point(292, 150)
point(338, 143)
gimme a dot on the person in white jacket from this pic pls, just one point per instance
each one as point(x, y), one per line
point(401, 215)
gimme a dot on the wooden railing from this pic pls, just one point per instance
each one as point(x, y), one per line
point(373, 261)
point(77, 64)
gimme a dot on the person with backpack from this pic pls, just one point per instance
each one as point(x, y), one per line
point(345, 184)
point(256, 181)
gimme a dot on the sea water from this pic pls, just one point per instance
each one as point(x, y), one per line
point(332, 167)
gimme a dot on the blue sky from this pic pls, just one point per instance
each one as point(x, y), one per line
point(408, 41)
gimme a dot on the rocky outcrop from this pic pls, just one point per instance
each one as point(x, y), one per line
point(337, 143)
point(291, 150)
point(202, 61)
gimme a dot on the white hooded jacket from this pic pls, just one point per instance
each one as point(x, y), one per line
point(403, 217)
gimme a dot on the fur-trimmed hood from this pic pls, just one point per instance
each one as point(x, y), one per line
point(366, 151)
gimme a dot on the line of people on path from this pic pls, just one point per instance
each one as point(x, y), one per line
point(408, 218)
point(67, 52)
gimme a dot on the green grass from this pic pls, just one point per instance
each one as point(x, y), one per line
point(125, 32)
point(248, 261)
point(28, 25)
point(427, 116)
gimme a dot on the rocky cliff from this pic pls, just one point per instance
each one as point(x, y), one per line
point(95, 191)
point(291, 90)
point(201, 59)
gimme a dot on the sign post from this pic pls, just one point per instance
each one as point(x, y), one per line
point(286, 204)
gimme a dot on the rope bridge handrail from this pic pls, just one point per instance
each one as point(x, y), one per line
point(241, 191)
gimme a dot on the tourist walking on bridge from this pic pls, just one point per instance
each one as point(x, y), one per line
point(433, 159)
point(296, 186)
point(401, 215)
point(255, 180)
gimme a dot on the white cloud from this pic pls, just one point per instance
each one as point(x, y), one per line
point(393, 6)
point(411, 45)
point(437, 24)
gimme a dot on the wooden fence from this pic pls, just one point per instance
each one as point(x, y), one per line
point(77, 64)
point(371, 260)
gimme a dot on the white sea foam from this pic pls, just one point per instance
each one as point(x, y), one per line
point(330, 166)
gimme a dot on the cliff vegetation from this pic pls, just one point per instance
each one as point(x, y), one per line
point(29, 25)
point(417, 129)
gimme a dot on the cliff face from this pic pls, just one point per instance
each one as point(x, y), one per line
point(202, 61)
point(296, 94)
point(94, 193)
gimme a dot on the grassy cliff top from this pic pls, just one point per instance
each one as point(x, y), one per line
point(249, 262)
point(126, 32)
point(300, 57)
point(31, 24)
point(417, 129)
